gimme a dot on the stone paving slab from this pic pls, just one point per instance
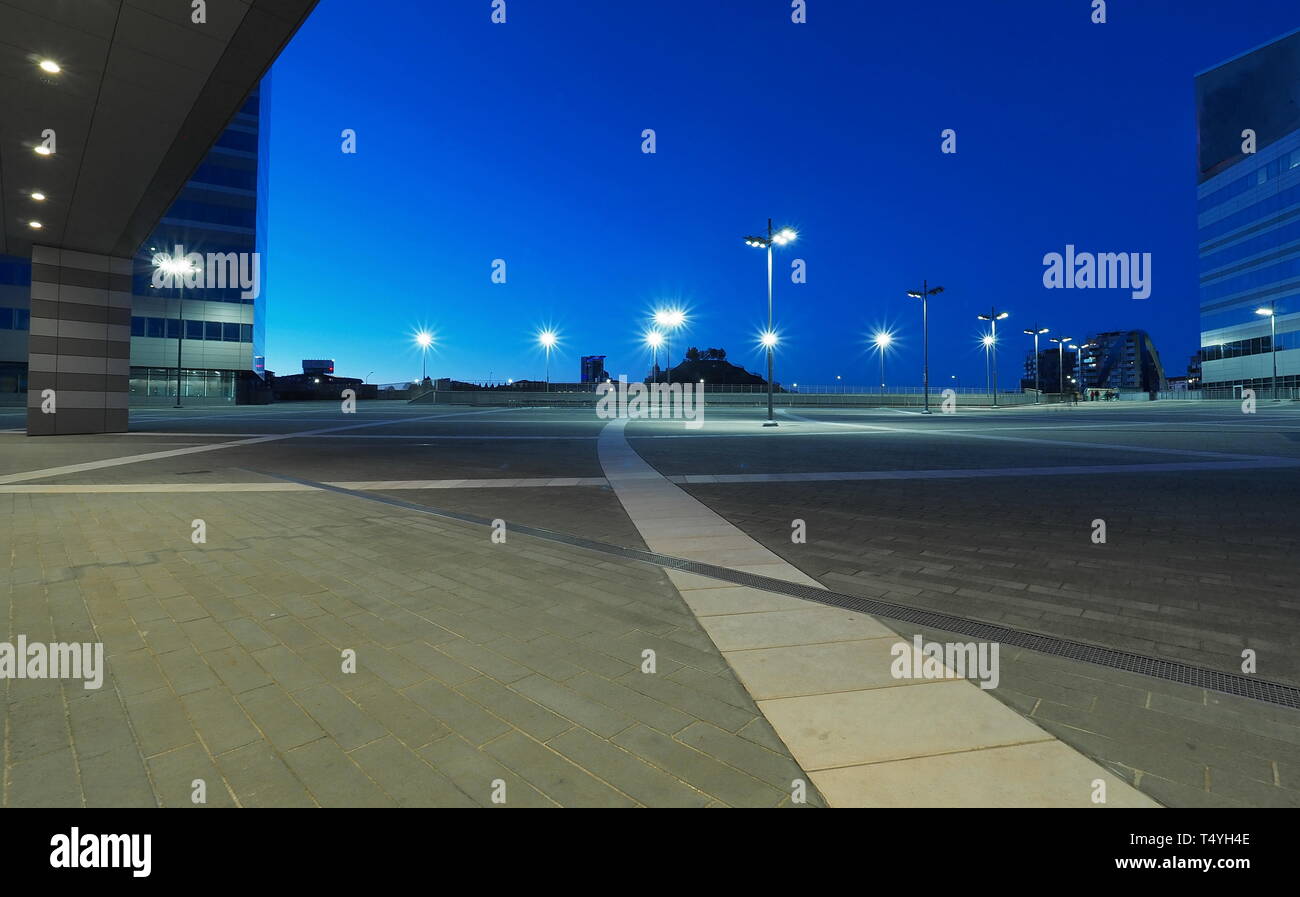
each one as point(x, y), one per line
point(475, 662)
point(826, 726)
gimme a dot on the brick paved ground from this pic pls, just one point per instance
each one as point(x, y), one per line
point(521, 662)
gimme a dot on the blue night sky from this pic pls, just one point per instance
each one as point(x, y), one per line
point(523, 142)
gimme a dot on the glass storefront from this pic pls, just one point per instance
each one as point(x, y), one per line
point(194, 383)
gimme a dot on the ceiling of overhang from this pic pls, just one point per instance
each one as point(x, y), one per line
point(143, 93)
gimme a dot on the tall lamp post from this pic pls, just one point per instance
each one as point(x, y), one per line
point(177, 267)
point(1060, 358)
point(1038, 387)
point(987, 342)
point(424, 339)
point(654, 339)
point(769, 338)
point(669, 319)
point(1271, 314)
point(548, 339)
point(926, 292)
point(991, 344)
point(883, 340)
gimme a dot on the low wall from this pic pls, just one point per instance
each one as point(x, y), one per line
point(784, 400)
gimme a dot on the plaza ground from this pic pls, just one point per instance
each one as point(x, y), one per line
point(523, 662)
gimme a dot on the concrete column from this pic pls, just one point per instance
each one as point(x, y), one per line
point(80, 343)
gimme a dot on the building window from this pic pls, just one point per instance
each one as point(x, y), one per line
point(155, 327)
point(194, 330)
point(213, 331)
point(230, 332)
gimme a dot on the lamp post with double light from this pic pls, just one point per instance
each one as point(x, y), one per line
point(769, 339)
point(883, 339)
point(668, 320)
point(1038, 387)
point(1060, 359)
point(924, 295)
point(991, 344)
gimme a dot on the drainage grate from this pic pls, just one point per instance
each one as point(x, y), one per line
point(1171, 671)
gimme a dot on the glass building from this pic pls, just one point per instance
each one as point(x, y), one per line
point(1248, 216)
point(220, 210)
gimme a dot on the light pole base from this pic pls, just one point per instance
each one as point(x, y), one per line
point(770, 423)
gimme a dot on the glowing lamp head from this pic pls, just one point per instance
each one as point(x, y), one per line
point(174, 266)
point(768, 339)
point(547, 338)
point(1266, 312)
point(671, 318)
point(784, 236)
point(988, 340)
point(883, 340)
point(424, 339)
point(654, 339)
point(49, 65)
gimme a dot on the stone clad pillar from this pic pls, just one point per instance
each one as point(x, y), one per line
point(79, 345)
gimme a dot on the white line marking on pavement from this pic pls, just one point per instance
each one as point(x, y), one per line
point(172, 453)
point(279, 486)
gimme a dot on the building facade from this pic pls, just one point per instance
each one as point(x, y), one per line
point(221, 210)
point(1248, 216)
point(1125, 360)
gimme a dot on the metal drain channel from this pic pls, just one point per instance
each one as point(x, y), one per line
point(1171, 671)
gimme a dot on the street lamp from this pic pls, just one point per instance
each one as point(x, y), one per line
point(882, 340)
point(1038, 389)
point(780, 238)
point(1271, 314)
point(1060, 358)
point(548, 338)
point(669, 319)
point(654, 339)
point(991, 344)
point(926, 292)
point(424, 339)
point(177, 267)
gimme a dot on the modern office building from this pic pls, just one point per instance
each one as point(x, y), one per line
point(1248, 216)
point(220, 210)
point(130, 130)
point(1125, 360)
point(593, 369)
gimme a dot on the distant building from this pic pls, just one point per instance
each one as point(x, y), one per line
point(1122, 359)
point(1050, 362)
point(318, 365)
point(593, 369)
point(1248, 215)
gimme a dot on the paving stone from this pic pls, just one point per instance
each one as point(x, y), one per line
point(718, 780)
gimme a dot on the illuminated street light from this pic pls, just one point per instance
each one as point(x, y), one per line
point(782, 237)
point(1060, 358)
point(1038, 387)
point(38, 196)
point(424, 339)
point(1271, 314)
point(991, 345)
point(49, 65)
point(177, 267)
point(654, 339)
point(669, 319)
point(883, 339)
point(926, 292)
point(548, 338)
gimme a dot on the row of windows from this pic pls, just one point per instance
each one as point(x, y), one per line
point(1252, 280)
point(1254, 212)
point(169, 328)
point(1273, 239)
point(1256, 346)
point(15, 319)
point(1259, 177)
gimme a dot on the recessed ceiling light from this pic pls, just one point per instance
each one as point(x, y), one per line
point(42, 150)
point(49, 65)
point(38, 196)
point(35, 224)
